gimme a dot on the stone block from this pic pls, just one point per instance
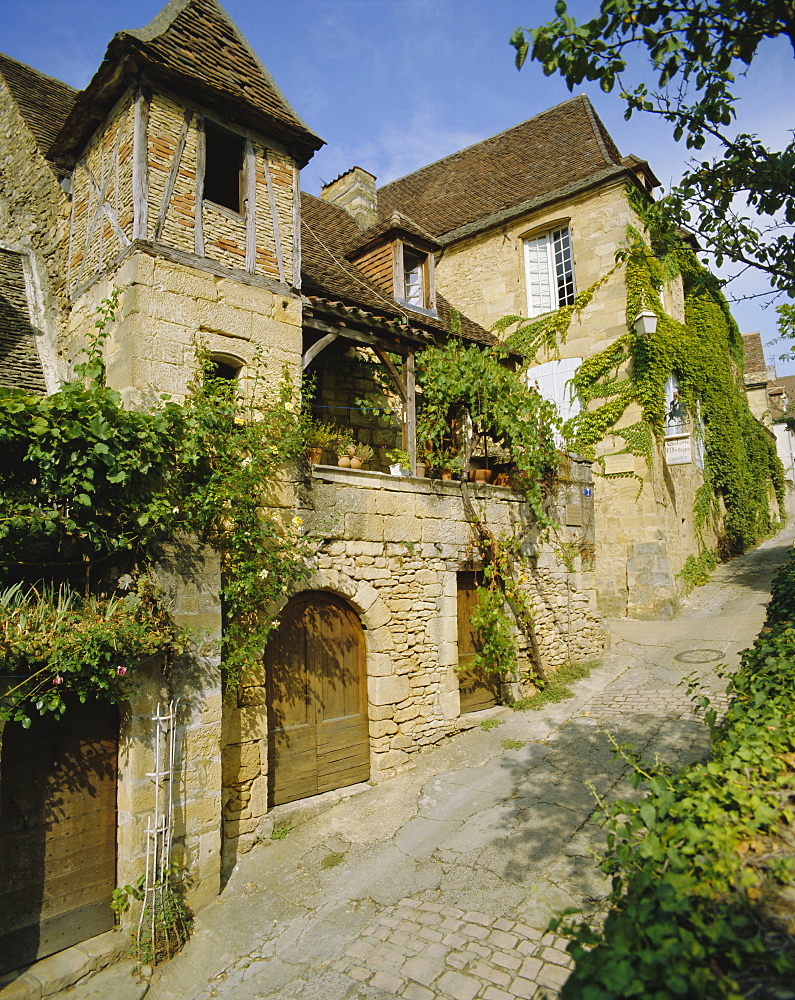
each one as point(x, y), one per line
point(380, 665)
point(387, 690)
point(241, 762)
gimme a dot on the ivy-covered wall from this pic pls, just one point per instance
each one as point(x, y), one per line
point(655, 520)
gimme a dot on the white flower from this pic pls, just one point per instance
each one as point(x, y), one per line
point(263, 574)
point(175, 510)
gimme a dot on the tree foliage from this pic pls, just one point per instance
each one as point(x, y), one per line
point(742, 201)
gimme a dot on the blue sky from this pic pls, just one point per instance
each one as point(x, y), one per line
point(394, 84)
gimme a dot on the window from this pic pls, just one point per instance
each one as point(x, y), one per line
point(413, 278)
point(550, 272)
point(223, 167)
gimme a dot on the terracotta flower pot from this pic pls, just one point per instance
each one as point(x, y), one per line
point(419, 470)
point(447, 474)
point(356, 463)
point(314, 455)
point(344, 462)
point(483, 475)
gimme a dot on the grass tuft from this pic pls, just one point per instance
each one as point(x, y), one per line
point(557, 689)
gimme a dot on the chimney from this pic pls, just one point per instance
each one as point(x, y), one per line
point(355, 192)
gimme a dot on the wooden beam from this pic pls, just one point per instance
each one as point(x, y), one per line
point(71, 232)
point(198, 228)
point(172, 176)
point(104, 207)
point(312, 352)
point(165, 252)
point(250, 170)
point(400, 383)
point(296, 228)
point(274, 216)
point(140, 167)
point(411, 411)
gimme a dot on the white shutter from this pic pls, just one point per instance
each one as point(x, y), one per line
point(540, 294)
point(554, 383)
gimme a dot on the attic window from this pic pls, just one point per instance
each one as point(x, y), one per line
point(414, 285)
point(223, 167)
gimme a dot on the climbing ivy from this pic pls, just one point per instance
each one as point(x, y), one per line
point(89, 493)
point(706, 355)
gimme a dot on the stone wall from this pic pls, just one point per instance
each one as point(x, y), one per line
point(392, 548)
point(345, 376)
point(167, 308)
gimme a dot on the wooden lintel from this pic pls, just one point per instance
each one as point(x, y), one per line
point(165, 252)
point(172, 176)
point(312, 352)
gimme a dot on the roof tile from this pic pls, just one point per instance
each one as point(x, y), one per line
point(566, 144)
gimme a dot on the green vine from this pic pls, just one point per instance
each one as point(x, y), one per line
point(476, 390)
point(90, 491)
point(706, 355)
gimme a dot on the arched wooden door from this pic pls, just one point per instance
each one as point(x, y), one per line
point(318, 734)
point(57, 831)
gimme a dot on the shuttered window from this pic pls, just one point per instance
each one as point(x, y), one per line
point(549, 271)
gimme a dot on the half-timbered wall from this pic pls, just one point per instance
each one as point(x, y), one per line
point(141, 178)
point(101, 222)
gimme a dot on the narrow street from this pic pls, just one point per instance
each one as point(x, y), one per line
point(441, 882)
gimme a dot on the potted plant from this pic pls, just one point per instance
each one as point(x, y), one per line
point(342, 444)
point(398, 462)
point(319, 437)
point(359, 454)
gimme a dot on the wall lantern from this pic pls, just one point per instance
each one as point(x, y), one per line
point(645, 323)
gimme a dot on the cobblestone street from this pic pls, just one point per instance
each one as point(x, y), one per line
point(441, 882)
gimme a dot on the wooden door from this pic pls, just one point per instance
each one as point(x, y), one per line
point(318, 733)
point(478, 689)
point(57, 831)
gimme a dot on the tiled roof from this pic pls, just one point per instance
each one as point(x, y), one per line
point(43, 102)
point(327, 232)
point(560, 147)
point(194, 43)
point(755, 367)
point(20, 364)
point(396, 223)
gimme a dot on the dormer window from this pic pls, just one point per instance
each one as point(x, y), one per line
point(223, 167)
point(414, 279)
point(414, 285)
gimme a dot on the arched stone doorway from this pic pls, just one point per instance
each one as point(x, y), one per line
point(315, 668)
point(57, 831)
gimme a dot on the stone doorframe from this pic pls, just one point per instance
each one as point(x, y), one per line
point(384, 687)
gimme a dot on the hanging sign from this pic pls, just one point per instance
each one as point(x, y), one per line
point(678, 450)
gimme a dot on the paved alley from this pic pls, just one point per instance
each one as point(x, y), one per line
point(441, 882)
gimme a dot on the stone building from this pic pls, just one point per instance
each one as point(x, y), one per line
point(173, 179)
point(520, 223)
point(770, 396)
